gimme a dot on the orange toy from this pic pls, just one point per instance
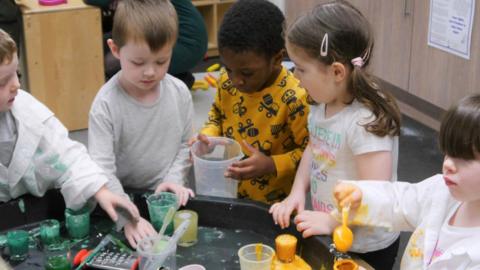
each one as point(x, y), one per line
point(211, 80)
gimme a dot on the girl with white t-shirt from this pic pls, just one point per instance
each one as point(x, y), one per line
point(353, 124)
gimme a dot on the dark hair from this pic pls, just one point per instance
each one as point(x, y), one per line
point(252, 25)
point(349, 37)
point(152, 21)
point(460, 129)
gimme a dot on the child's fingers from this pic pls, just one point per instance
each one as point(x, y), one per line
point(203, 138)
point(274, 210)
point(191, 193)
point(131, 241)
point(285, 216)
point(302, 226)
point(129, 207)
point(273, 207)
point(239, 173)
point(308, 232)
point(111, 212)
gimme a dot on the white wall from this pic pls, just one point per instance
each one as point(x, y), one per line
point(280, 4)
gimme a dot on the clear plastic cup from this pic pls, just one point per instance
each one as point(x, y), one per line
point(155, 253)
point(211, 162)
point(158, 205)
point(57, 256)
point(193, 267)
point(250, 259)
point(189, 238)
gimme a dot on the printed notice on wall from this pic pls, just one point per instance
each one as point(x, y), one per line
point(450, 26)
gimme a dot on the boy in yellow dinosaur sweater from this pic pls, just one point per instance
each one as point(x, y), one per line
point(258, 102)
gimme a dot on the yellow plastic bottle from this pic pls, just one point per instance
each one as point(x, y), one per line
point(285, 257)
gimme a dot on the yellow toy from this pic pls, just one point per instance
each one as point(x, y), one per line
point(200, 84)
point(213, 67)
point(342, 235)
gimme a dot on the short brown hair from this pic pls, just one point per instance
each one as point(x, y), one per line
point(153, 21)
point(7, 47)
point(460, 129)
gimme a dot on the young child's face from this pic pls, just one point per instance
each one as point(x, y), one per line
point(9, 83)
point(462, 178)
point(317, 78)
point(142, 69)
point(249, 71)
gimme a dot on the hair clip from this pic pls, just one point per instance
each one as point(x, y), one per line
point(324, 46)
point(360, 61)
point(357, 62)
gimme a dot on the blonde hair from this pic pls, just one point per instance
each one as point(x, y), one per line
point(152, 21)
point(7, 47)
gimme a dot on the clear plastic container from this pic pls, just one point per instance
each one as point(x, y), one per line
point(255, 257)
point(210, 163)
point(156, 253)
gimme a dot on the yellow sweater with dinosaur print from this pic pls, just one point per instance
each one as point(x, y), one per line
point(273, 120)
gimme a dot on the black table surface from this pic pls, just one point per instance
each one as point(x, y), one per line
point(225, 225)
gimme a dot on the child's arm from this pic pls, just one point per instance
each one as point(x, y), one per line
point(374, 166)
point(213, 126)
point(373, 155)
point(282, 211)
point(397, 206)
point(286, 164)
point(178, 171)
point(100, 146)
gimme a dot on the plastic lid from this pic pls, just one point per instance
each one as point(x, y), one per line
point(51, 2)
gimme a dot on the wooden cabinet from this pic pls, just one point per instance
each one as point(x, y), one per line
point(212, 12)
point(401, 55)
point(63, 57)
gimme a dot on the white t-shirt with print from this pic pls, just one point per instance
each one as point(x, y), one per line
point(335, 142)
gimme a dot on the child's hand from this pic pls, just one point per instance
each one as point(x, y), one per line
point(204, 147)
point(135, 232)
point(345, 193)
point(182, 192)
point(315, 223)
point(258, 164)
point(282, 211)
point(199, 137)
point(109, 201)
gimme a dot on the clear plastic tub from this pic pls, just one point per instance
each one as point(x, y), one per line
point(210, 163)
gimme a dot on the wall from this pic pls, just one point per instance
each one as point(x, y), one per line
point(280, 4)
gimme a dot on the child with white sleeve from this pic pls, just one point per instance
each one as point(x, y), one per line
point(36, 153)
point(441, 211)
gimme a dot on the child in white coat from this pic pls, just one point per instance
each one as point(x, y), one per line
point(36, 153)
point(443, 210)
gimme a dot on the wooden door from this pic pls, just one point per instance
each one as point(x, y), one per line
point(439, 77)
